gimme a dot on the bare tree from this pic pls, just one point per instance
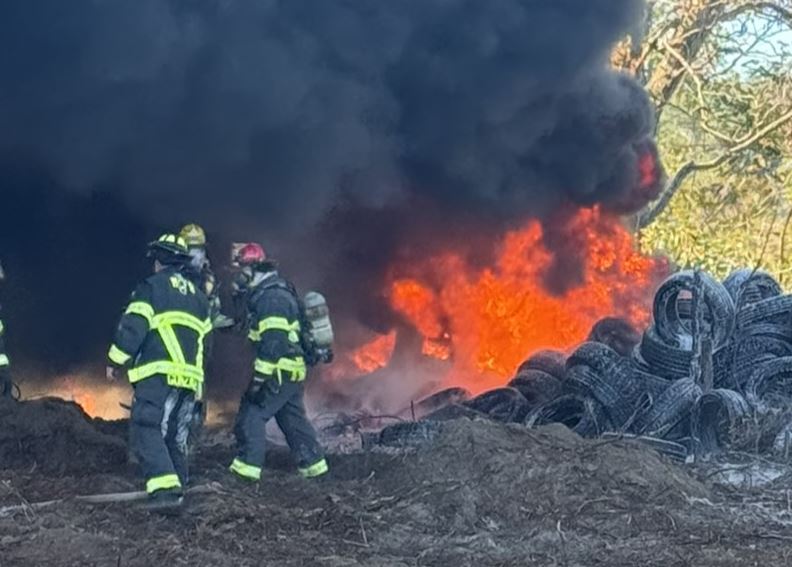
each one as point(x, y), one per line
point(688, 57)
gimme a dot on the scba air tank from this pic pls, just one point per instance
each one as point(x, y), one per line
point(318, 315)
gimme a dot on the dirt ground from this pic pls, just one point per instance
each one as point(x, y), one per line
point(476, 493)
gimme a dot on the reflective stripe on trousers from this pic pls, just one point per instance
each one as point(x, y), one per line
point(246, 471)
point(293, 369)
point(162, 482)
point(287, 407)
point(159, 429)
point(315, 470)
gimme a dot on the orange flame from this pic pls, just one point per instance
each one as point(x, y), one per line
point(489, 320)
point(647, 166)
point(375, 354)
point(96, 397)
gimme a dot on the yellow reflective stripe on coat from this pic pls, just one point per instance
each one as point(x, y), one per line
point(165, 367)
point(162, 482)
point(178, 375)
point(169, 318)
point(294, 366)
point(277, 324)
point(178, 371)
point(4, 360)
point(172, 345)
point(245, 470)
point(164, 323)
point(2, 327)
point(143, 309)
point(317, 469)
point(118, 356)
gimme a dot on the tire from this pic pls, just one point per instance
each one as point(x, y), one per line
point(597, 371)
point(596, 356)
point(748, 348)
point(770, 385)
point(651, 384)
point(639, 362)
point(676, 451)
point(665, 360)
point(550, 361)
point(409, 434)
point(746, 286)
point(717, 301)
point(685, 308)
point(714, 417)
point(773, 310)
point(616, 333)
point(782, 332)
point(442, 399)
point(452, 412)
point(537, 386)
point(753, 351)
point(741, 373)
point(615, 388)
point(670, 409)
point(506, 405)
point(582, 415)
point(722, 368)
point(587, 383)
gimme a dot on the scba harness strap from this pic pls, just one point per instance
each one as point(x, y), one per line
point(293, 369)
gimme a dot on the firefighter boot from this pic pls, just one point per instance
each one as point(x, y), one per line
point(168, 502)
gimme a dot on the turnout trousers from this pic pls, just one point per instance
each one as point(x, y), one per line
point(285, 404)
point(159, 430)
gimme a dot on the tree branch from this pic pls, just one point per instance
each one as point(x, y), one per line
point(686, 65)
point(782, 12)
point(650, 214)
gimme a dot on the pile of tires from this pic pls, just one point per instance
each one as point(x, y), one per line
point(642, 384)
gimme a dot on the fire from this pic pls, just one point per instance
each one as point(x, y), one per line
point(376, 354)
point(647, 166)
point(419, 304)
point(487, 320)
point(96, 398)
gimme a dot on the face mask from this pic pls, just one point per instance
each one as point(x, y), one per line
point(198, 256)
point(242, 280)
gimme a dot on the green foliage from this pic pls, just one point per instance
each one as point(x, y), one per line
point(733, 215)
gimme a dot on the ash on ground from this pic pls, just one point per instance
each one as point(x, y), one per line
point(463, 491)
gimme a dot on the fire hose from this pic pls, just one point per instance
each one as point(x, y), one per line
point(121, 497)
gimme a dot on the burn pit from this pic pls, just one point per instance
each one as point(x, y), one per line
point(472, 325)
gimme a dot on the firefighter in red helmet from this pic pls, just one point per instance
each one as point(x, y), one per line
point(276, 323)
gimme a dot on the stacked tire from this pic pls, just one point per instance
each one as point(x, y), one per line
point(622, 381)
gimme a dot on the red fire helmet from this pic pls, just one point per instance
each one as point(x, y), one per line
point(251, 254)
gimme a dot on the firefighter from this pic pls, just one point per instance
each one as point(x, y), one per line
point(160, 340)
point(6, 385)
point(275, 321)
point(200, 273)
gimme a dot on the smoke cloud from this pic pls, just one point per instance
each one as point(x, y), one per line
point(274, 107)
point(279, 117)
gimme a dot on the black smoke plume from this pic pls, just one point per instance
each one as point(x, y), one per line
point(278, 119)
